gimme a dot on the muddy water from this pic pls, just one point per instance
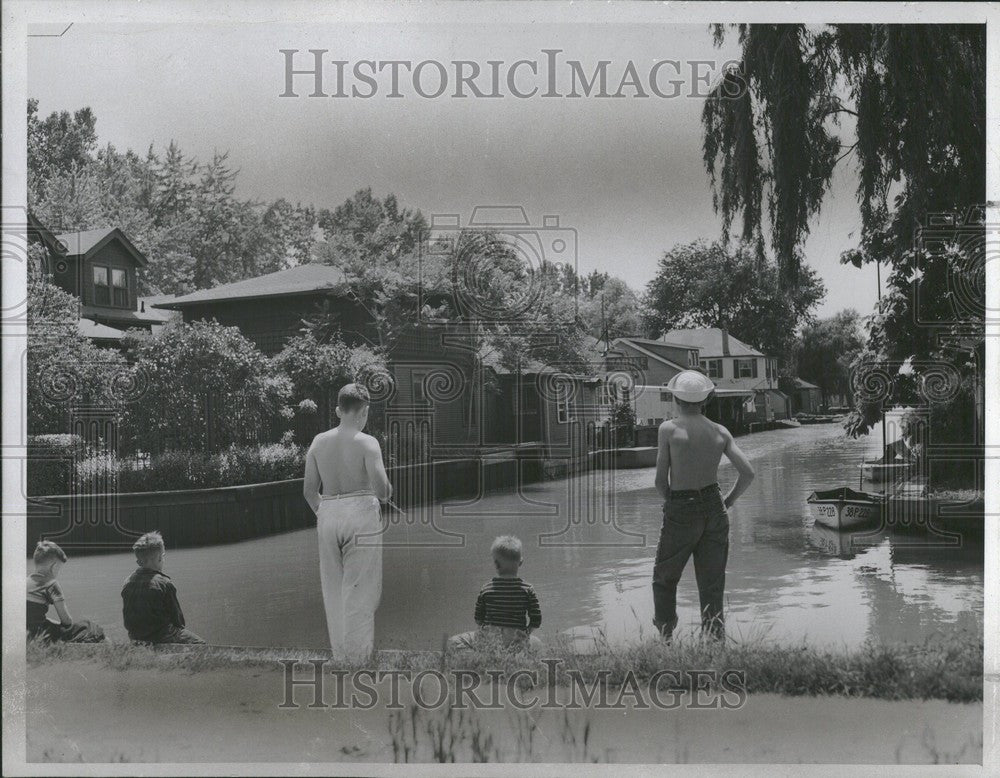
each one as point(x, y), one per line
point(589, 543)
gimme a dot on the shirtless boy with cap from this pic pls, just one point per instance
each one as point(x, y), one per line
point(695, 522)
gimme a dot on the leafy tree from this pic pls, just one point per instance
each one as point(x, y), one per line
point(826, 351)
point(914, 97)
point(184, 215)
point(711, 285)
point(612, 310)
point(205, 387)
point(58, 144)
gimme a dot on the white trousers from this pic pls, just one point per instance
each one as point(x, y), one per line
point(350, 571)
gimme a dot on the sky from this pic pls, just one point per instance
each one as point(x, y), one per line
point(624, 176)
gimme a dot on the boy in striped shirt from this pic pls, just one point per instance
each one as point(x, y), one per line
point(507, 608)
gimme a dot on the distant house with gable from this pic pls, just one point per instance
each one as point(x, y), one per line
point(101, 268)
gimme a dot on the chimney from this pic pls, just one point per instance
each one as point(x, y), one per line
point(725, 342)
point(142, 306)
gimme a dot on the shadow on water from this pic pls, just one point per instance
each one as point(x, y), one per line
point(589, 544)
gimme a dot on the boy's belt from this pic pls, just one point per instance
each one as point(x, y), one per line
point(685, 493)
point(344, 495)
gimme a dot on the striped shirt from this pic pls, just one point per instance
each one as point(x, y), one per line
point(508, 602)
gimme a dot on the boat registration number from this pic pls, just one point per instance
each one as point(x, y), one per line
point(826, 510)
point(859, 511)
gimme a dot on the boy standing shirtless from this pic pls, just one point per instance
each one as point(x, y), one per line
point(344, 482)
point(694, 512)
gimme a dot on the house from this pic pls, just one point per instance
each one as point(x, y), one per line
point(806, 397)
point(101, 267)
point(650, 362)
point(564, 411)
point(432, 402)
point(733, 364)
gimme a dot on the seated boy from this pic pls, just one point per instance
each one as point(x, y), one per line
point(150, 608)
point(43, 591)
point(507, 608)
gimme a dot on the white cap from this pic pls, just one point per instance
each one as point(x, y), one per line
point(691, 386)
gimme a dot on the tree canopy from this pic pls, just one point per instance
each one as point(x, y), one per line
point(714, 285)
point(183, 214)
point(826, 350)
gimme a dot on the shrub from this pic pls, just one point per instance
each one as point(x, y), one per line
point(205, 387)
point(181, 470)
point(50, 462)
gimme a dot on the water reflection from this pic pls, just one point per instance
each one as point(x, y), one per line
point(589, 555)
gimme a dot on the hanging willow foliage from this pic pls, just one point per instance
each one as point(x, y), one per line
point(917, 97)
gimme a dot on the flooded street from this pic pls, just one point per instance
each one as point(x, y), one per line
point(589, 543)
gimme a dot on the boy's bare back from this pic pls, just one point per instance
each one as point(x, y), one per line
point(340, 457)
point(696, 446)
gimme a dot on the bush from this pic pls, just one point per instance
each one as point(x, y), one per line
point(204, 387)
point(180, 470)
point(50, 462)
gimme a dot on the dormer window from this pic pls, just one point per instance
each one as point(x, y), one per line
point(110, 286)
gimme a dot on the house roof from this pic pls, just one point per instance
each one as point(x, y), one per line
point(95, 331)
point(152, 312)
point(652, 348)
point(800, 384)
point(48, 238)
point(301, 279)
point(88, 242)
point(708, 341)
point(123, 315)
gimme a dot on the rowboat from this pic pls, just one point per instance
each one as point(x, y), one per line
point(844, 508)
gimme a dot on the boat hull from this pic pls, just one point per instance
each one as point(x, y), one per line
point(841, 514)
point(844, 508)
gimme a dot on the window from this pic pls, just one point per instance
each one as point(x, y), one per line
point(119, 287)
point(745, 368)
point(563, 411)
point(713, 367)
point(665, 397)
point(693, 358)
point(102, 287)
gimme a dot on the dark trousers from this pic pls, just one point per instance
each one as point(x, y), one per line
point(82, 631)
point(695, 524)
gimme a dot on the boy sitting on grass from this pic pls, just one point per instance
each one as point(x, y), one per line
point(150, 608)
point(43, 591)
point(507, 608)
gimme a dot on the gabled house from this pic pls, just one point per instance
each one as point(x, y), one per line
point(733, 364)
point(101, 267)
point(724, 357)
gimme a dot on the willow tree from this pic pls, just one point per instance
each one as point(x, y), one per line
point(905, 106)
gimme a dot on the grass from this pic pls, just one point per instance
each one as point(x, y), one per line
point(948, 666)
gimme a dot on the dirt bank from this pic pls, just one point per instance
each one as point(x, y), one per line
point(83, 710)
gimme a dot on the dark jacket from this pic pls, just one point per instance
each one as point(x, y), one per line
point(149, 604)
